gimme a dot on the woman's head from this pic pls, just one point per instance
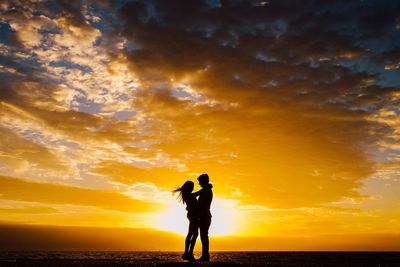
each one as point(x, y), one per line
point(185, 190)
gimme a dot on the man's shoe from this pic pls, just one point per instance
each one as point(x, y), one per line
point(204, 258)
point(188, 257)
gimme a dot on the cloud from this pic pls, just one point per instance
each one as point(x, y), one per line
point(314, 119)
point(24, 190)
point(98, 238)
point(129, 174)
point(16, 151)
point(62, 238)
point(29, 210)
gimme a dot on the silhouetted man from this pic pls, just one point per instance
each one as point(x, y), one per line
point(204, 203)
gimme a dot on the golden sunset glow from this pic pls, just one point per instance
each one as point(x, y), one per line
point(107, 106)
point(225, 221)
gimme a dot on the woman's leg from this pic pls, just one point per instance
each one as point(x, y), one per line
point(187, 242)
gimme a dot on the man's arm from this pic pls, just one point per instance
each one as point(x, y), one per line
point(196, 194)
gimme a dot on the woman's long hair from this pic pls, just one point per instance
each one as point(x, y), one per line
point(184, 191)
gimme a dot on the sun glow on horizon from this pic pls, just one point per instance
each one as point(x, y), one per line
point(225, 219)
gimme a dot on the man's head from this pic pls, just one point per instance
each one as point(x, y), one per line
point(203, 179)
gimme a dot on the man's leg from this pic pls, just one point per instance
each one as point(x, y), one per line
point(204, 226)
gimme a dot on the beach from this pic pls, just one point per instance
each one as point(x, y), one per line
point(217, 259)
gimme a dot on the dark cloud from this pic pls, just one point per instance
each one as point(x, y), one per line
point(17, 238)
point(378, 18)
point(240, 47)
point(8, 36)
point(41, 238)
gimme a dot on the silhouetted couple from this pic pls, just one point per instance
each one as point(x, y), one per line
point(199, 215)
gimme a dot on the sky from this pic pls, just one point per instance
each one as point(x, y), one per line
point(291, 107)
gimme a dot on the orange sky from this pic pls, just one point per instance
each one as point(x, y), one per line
point(106, 108)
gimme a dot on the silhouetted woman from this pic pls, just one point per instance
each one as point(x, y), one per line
point(189, 198)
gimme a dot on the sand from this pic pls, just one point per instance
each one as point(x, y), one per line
point(72, 259)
